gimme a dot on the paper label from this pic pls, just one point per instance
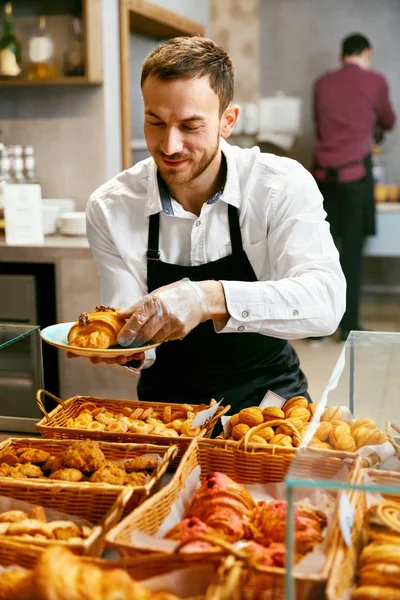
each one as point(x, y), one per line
point(23, 214)
point(204, 416)
point(272, 399)
point(346, 518)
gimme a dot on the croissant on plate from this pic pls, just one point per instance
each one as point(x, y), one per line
point(98, 329)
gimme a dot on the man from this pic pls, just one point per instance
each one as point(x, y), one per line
point(348, 104)
point(222, 250)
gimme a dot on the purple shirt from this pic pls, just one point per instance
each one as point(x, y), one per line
point(347, 104)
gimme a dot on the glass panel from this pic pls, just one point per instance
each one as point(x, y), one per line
point(362, 468)
point(11, 333)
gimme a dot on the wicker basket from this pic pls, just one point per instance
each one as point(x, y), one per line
point(343, 575)
point(396, 446)
point(223, 576)
point(88, 500)
point(54, 424)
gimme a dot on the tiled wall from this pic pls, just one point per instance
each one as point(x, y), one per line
point(235, 25)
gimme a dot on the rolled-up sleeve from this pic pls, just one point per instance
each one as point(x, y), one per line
point(307, 294)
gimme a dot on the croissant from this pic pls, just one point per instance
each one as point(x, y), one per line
point(60, 575)
point(98, 329)
point(375, 592)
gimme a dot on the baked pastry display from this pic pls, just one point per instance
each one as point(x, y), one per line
point(98, 329)
point(272, 425)
point(33, 526)
point(60, 575)
point(169, 422)
point(223, 505)
point(335, 433)
point(268, 523)
point(223, 509)
point(80, 461)
point(379, 562)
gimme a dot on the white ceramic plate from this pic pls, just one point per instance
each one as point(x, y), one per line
point(57, 335)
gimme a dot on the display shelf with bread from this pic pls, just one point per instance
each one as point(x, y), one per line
point(82, 417)
point(355, 414)
point(368, 567)
point(224, 509)
point(60, 575)
point(83, 477)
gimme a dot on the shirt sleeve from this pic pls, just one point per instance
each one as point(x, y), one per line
point(307, 295)
point(385, 114)
point(118, 285)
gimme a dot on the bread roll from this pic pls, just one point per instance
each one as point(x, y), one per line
point(375, 592)
point(296, 401)
point(323, 431)
point(272, 412)
point(251, 416)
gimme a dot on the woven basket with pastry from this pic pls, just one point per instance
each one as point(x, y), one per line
point(84, 478)
point(369, 569)
point(222, 508)
point(60, 575)
point(82, 417)
point(27, 530)
point(271, 425)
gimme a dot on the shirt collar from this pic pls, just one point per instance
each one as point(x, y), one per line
point(158, 198)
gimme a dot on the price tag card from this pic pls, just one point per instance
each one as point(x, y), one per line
point(23, 214)
point(346, 518)
point(204, 416)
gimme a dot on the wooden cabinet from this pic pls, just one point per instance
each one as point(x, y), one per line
point(158, 24)
point(90, 13)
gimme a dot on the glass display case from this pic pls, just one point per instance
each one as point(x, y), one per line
point(21, 375)
point(349, 460)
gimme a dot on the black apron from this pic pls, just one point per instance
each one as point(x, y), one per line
point(240, 367)
point(349, 200)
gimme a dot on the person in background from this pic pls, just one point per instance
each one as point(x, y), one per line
point(223, 253)
point(348, 104)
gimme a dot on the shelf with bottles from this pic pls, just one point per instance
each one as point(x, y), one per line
point(50, 48)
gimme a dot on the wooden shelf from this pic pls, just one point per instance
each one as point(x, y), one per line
point(156, 23)
point(49, 82)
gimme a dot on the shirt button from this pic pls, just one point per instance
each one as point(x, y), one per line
point(295, 313)
point(198, 223)
point(241, 328)
point(245, 314)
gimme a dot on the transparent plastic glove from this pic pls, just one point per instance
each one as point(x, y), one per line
point(168, 313)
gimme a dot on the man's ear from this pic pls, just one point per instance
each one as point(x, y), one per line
point(228, 120)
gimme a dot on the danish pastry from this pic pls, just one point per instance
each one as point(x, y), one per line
point(98, 329)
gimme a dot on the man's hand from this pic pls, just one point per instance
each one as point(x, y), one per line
point(119, 360)
point(172, 311)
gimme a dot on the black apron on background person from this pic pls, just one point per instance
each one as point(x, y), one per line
point(350, 209)
point(238, 367)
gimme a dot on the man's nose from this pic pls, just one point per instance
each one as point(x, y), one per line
point(172, 142)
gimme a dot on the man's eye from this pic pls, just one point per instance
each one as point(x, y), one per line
point(188, 128)
point(155, 124)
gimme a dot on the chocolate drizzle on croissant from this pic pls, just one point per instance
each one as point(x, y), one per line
point(98, 329)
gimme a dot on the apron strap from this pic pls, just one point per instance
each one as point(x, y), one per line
point(234, 229)
point(153, 252)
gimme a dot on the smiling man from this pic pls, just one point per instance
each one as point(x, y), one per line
point(224, 253)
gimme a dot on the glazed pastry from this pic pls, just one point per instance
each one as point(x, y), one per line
point(362, 423)
point(295, 402)
point(382, 522)
point(365, 436)
point(98, 329)
point(188, 528)
point(298, 412)
point(281, 440)
point(223, 505)
point(251, 416)
point(375, 592)
point(323, 431)
point(272, 412)
point(332, 413)
point(273, 556)
point(239, 431)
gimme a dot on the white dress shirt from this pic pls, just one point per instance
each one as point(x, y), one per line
point(300, 290)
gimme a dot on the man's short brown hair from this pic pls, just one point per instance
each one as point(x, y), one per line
point(187, 57)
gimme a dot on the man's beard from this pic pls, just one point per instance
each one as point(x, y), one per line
point(178, 178)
